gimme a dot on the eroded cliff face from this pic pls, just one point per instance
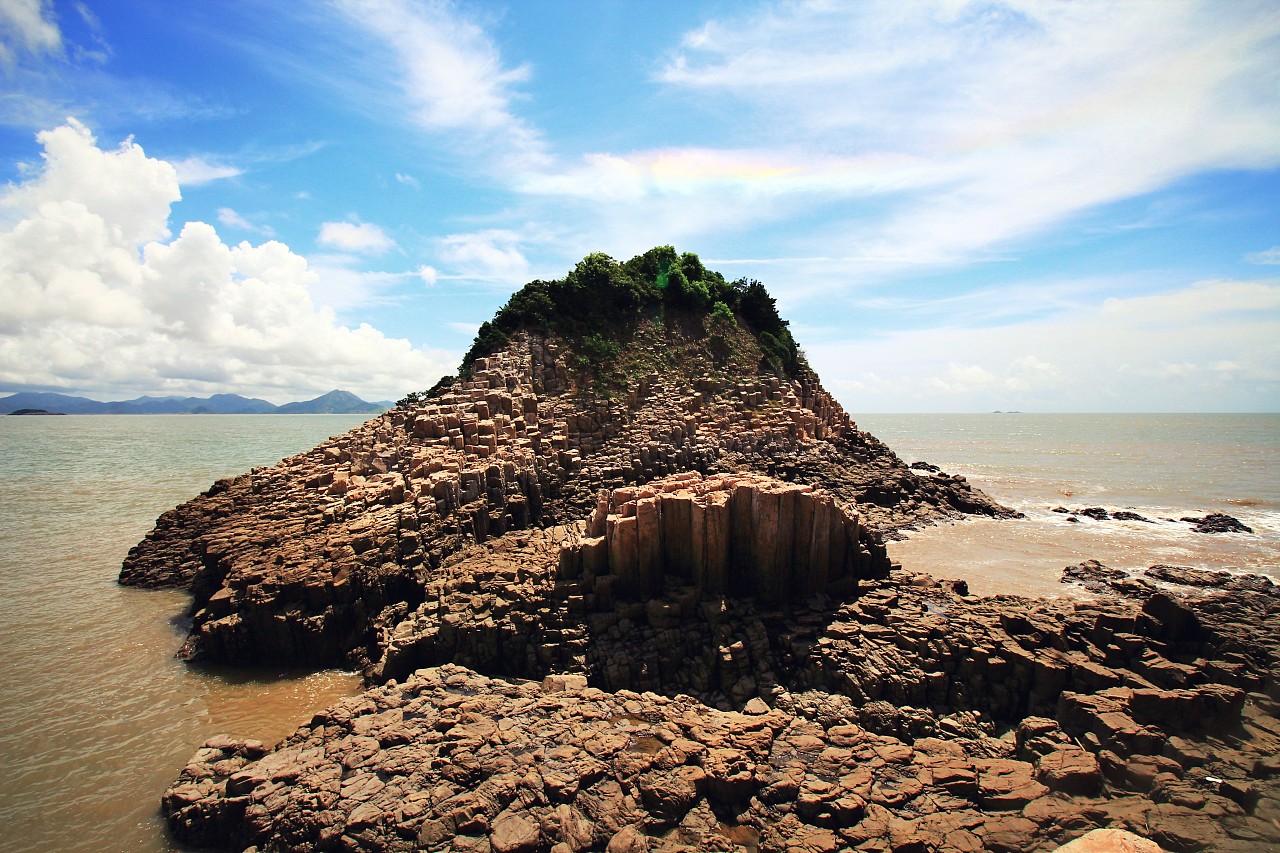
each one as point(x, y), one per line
point(673, 586)
point(316, 560)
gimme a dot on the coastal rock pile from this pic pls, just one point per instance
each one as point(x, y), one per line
point(301, 563)
point(923, 720)
point(1214, 522)
point(608, 607)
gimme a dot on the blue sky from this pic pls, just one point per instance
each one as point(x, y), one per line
point(959, 206)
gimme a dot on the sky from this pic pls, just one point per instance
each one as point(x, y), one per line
point(959, 206)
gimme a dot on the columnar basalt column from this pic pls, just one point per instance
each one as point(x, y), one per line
point(735, 535)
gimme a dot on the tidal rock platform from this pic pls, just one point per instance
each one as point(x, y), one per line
point(914, 718)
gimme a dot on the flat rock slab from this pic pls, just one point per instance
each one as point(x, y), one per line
point(452, 760)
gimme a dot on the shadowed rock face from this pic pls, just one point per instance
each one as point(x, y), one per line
point(1126, 714)
point(680, 590)
point(308, 562)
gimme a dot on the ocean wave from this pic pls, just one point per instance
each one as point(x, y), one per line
point(1251, 502)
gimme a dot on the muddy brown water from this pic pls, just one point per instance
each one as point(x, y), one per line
point(97, 717)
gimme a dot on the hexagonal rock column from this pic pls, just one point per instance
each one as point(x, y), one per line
point(740, 535)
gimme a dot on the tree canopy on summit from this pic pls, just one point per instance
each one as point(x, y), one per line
point(593, 306)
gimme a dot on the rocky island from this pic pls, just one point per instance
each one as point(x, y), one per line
point(621, 585)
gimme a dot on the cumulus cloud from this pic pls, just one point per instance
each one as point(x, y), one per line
point(363, 237)
point(95, 296)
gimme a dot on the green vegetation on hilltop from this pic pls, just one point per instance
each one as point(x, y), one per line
point(600, 307)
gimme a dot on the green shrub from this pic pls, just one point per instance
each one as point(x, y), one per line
point(722, 315)
point(594, 307)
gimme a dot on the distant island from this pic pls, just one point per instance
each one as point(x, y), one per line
point(333, 403)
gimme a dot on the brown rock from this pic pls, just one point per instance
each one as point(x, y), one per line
point(1070, 770)
point(514, 833)
point(1004, 784)
point(629, 840)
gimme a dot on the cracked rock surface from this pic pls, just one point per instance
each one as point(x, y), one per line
point(917, 719)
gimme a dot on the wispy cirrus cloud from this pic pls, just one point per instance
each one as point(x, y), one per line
point(452, 77)
point(489, 255)
point(1006, 117)
point(1265, 257)
point(194, 171)
point(232, 219)
point(27, 26)
point(938, 134)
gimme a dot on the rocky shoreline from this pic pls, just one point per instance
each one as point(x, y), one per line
point(659, 615)
point(919, 719)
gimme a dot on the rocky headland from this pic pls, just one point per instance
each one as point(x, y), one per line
point(620, 585)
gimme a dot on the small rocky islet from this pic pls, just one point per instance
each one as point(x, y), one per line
point(621, 585)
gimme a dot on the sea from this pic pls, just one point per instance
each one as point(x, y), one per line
point(1162, 467)
point(97, 717)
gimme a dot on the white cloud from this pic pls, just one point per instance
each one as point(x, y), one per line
point(991, 121)
point(363, 237)
point(929, 133)
point(964, 379)
point(408, 180)
point(231, 219)
point(340, 285)
point(95, 297)
point(194, 171)
point(27, 25)
point(128, 191)
point(453, 76)
point(487, 255)
point(1265, 257)
point(429, 275)
point(1209, 346)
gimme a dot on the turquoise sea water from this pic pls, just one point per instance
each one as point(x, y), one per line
point(96, 716)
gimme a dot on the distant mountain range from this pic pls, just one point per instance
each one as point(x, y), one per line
point(333, 403)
